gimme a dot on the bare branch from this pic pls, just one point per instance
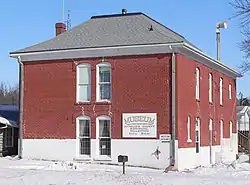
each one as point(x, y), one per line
point(242, 8)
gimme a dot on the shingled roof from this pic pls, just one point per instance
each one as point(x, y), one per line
point(110, 30)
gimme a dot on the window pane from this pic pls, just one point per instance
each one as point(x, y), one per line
point(84, 93)
point(104, 73)
point(85, 146)
point(197, 136)
point(84, 75)
point(197, 83)
point(105, 91)
point(197, 147)
point(84, 128)
point(105, 146)
point(104, 128)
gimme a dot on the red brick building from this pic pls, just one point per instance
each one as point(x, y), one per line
point(125, 84)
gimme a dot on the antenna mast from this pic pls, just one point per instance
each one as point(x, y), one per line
point(63, 5)
point(68, 21)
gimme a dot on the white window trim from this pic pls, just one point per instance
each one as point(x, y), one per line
point(197, 83)
point(210, 124)
point(77, 82)
point(210, 84)
point(78, 155)
point(12, 138)
point(97, 82)
point(230, 91)
point(98, 156)
point(221, 91)
point(189, 140)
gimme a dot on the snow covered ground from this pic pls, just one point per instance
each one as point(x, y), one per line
point(32, 172)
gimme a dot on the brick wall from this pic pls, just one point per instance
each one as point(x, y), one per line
point(139, 84)
point(188, 105)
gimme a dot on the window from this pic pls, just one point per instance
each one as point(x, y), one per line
point(188, 130)
point(231, 129)
point(103, 82)
point(210, 93)
point(84, 136)
point(210, 131)
point(231, 134)
point(221, 132)
point(197, 135)
point(83, 83)
point(104, 135)
point(197, 90)
point(9, 137)
point(230, 91)
point(221, 91)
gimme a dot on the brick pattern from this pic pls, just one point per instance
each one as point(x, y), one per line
point(188, 105)
point(139, 84)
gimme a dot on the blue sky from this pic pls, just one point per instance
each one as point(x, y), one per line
point(28, 22)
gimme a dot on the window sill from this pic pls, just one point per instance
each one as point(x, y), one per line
point(103, 102)
point(83, 158)
point(198, 100)
point(103, 158)
point(189, 140)
point(82, 103)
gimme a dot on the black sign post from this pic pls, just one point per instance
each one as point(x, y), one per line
point(123, 159)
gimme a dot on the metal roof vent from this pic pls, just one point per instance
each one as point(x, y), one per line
point(124, 11)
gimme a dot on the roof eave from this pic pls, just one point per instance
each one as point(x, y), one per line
point(218, 63)
point(180, 47)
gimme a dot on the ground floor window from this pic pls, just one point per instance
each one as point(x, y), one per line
point(197, 135)
point(221, 132)
point(231, 134)
point(84, 136)
point(104, 124)
point(9, 137)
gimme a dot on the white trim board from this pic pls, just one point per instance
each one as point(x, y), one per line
point(182, 48)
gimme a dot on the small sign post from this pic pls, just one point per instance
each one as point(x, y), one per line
point(123, 159)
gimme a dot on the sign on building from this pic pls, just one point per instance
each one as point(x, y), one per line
point(165, 138)
point(139, 125)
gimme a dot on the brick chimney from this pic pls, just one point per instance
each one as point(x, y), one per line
point(60, 28)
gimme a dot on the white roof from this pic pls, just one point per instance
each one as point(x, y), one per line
point(10, 123)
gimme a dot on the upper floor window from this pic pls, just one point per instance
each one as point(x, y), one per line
point(83, 83)
point(221, 91)
point(230, 91)
point(197, 90)
point(103, 76)
point(210, 93)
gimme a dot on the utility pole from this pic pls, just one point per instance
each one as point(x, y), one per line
point(221, 25)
